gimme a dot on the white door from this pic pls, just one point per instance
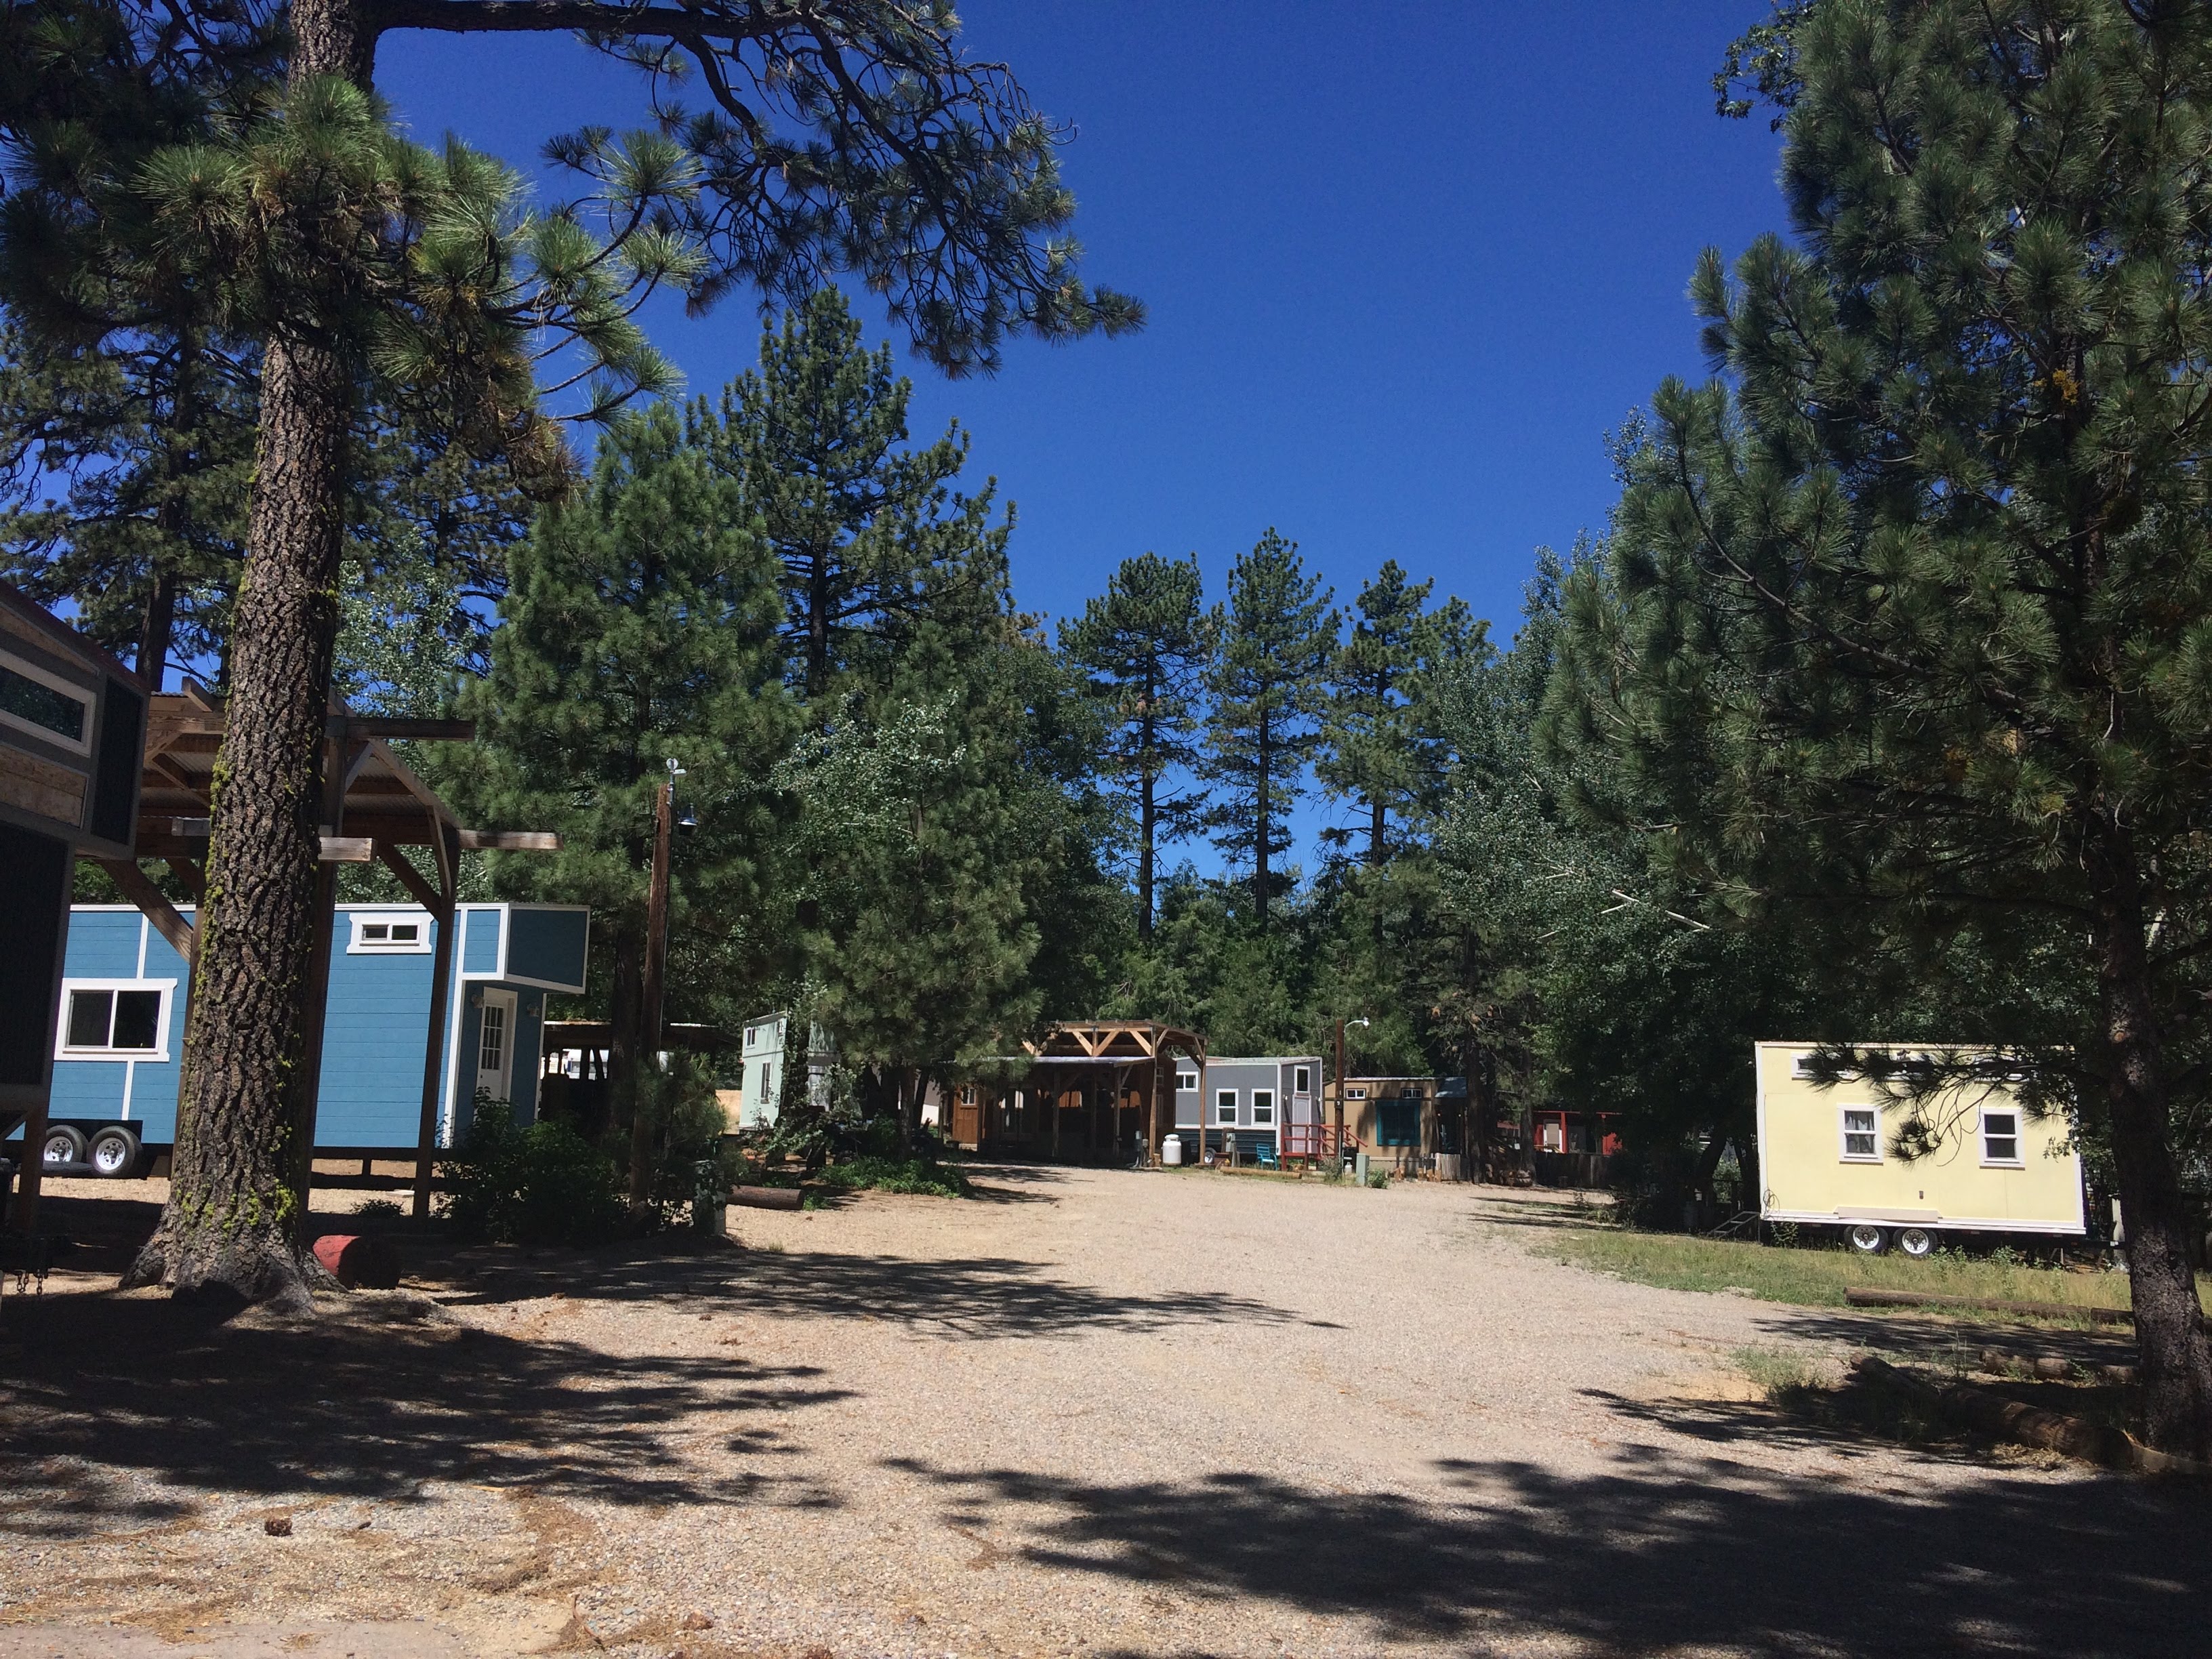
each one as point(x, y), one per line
point(496, 1043)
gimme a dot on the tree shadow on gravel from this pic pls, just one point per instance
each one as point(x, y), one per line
point(369, 1399)
point(973, 1296)
point(1659, 1554)
point(1938, 1339)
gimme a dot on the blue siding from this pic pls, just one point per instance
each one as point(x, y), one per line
point(547, 945)
point(480, 942)
point(373, 1039)
point(374, 1035)
point(104, 945)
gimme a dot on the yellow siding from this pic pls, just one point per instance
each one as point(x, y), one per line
point(1807, 1178)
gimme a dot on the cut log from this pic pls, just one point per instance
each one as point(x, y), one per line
point(2024, 1425)
point(768, 1198)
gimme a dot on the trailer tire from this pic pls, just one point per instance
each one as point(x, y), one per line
point(1866, 1238)
point(63, 1144)
point(114, 1154)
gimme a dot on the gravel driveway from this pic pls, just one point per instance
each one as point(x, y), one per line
point(1096, 1411)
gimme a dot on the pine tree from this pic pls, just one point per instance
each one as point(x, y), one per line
point(855, 519)
point(1145, 646)
point(1278, 639)
point(841, 136)
point(1906, 617)
point(1376, 749)
point(640, 628)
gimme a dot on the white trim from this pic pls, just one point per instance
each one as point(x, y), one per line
point(1301, 1090)
point(358, 945)
point(1974, 1224)
point(159, 1052)
point(1843, 1132)
point(1236, 1108)
point(510, 1006)
point(2018, 1160)
point(456, 1001)
point(52, 682)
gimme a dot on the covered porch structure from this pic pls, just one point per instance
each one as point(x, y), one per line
point(372, 805)
point(1090, 1091)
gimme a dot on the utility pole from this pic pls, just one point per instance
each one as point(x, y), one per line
point(1340, 1088)
point(654, 990)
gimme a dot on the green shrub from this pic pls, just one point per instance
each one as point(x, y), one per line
point(1378, 1179)
point(378, 1209)
point(543, 1185)
point(896, 1175)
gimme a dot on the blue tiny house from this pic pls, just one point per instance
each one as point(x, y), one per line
point(120, 1034)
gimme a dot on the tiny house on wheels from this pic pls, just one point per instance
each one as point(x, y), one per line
point(121, 1031)
point(1828, 1157)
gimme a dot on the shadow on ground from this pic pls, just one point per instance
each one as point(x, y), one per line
point(1659, 1554)
point(976, 1297)
point(370, 1400)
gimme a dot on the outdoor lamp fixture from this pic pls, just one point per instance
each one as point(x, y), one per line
point(476, 996)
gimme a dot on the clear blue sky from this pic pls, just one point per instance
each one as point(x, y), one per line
point(1406, 265)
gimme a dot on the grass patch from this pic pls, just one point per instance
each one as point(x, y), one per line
point(1782, 1376)
point(1818, 1278)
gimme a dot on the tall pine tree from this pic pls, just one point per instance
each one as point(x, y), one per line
point(866, 531)
point(1906, 617)
point(1375, 744)
point(640, 628)
point(1144, 647)
point(1278, 638)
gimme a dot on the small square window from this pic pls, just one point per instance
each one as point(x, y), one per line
point(1186, 1081)
point(373, 935)
point(2000, 1138)
point(1263, 1105)
point(1355, 1094)
point(1224, 1106)
point(1302, 1080)
point(1862, 1135)
point(91, 1013)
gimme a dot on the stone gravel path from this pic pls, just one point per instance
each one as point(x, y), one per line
point(1098, 1411)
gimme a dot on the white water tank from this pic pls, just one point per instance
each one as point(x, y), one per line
point(1171, 1150)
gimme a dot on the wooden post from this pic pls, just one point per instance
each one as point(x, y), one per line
point(1338, 1151)
point(444, 915)
point(655, 970)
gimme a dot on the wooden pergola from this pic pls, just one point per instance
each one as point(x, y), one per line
point(1138, 1056)
point(372, 805)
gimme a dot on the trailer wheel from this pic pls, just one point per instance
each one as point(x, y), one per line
point(63, 1144)
point(114, 1153)
point(1916, 1242)
point(1866, 1238)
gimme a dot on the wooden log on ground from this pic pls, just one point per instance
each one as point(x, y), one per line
point(2025, 1425)
point(768, 1198)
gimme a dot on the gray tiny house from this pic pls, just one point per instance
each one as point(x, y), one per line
point(1245, 1101)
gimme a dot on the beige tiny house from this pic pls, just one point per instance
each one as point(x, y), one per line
point(1827, 1158)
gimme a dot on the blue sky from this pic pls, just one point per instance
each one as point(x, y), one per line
point(1406, 265)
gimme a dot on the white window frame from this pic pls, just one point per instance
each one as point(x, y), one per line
point(361, 945)
point(1258, 1121)
point(1355, 1094)
point(1843, 1132)
point(1187, 1083)
point(1230, 1095)
point(159, 1052)
point(2019, 1159)
point(78, 694)
point(1300, 1080)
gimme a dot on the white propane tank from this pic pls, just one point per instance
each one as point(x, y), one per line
point(1171, 1150)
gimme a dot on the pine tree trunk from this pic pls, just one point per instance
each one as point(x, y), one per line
point(237, 1193)
point(1375, 832)
point(1148, 816)
point(2176, 1361)
point(625, 1025)
point(1260, 839)
point(161, 623)
point(244, 1134)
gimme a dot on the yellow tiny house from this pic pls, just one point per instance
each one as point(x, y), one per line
point(1827, 1158)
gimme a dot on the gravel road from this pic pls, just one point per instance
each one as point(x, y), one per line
point(1095, 1412)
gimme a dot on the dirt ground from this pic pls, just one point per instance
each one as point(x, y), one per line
point(1095, 1412)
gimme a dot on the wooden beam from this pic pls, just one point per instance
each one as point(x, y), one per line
point(385, 730)
point(411, 878)
point(510, 840)
point(443, 915)
point(347, 849)
point(138, 887)
point(191, 874)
